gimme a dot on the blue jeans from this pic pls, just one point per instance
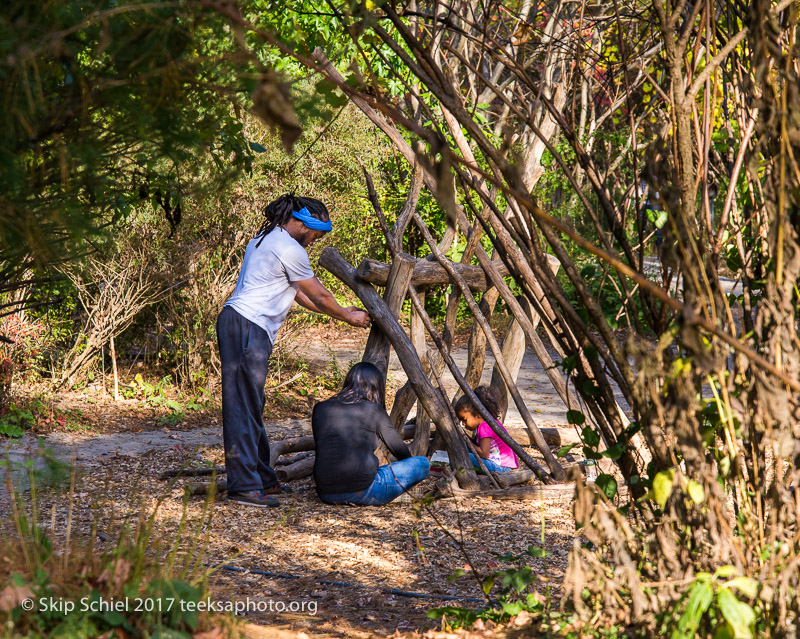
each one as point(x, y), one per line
point(492, 467)
point(390, 482)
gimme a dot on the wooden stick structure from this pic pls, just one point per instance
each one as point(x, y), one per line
point(401, 278)
point(531, 463)
point(552, 462)
point(432, 402)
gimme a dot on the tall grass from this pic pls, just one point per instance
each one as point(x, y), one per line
point(111, 573)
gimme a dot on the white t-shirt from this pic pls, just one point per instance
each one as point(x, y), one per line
point(264, 292)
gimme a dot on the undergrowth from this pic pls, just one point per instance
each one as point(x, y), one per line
point(111, 576)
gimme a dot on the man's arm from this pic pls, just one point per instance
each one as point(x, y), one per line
point(302, 299)
point(314, 296)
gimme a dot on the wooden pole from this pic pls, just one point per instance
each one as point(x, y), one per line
point(502, 434)
point(513, 352)
point(292, 445)
point(476, 347)
point(552, 462)
point(470, 446)
point(114, 368)
point(432, 402)
point(422, 432)
point(429, 273)
point(103, 368)
point(378, 347)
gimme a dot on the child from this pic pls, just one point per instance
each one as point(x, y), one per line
point(496, 455)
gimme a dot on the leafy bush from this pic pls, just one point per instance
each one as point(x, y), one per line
point(514, 593)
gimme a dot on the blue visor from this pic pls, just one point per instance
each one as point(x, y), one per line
point(310, 221)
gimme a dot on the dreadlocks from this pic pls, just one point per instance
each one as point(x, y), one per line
point(279, 212)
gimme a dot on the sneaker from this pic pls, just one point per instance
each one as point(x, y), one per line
point(253, 498)
point(277, 489)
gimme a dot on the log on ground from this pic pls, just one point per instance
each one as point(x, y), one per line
point(298, 470)
point(292, 445)
point(203, 487)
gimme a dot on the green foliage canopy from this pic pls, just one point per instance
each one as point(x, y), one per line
point(106, 104)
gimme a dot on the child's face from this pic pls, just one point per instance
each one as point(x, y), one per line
point(469, 419)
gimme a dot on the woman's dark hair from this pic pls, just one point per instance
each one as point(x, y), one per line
point(489, 398)
point(279, 212)
point(364, 382)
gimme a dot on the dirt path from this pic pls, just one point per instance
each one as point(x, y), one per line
point(347, 565)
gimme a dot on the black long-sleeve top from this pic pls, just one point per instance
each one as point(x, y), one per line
point(346, 436)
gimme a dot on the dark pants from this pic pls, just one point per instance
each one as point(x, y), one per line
point(244, 349)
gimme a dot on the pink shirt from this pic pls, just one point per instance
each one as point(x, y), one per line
point(499, 452)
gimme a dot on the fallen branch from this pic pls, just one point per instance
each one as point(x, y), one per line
point(204, 487)
point(292, 445)
point(430, 273)
point(297, 470)
point(287, 461)
point(191, 472)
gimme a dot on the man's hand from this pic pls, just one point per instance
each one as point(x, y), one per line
point(358, 317)
point(314, 296)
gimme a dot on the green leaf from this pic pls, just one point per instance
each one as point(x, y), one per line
point(696, 492)
point(590, 436)
point(700, 597)
point(590, 389)
point(113, 618)
point(518, 579)
point(724, 572)
point(658, 218)
point(258, 148)
point(575, 417)
point(458, 572)
point(535, 551)
point(591, 453)
point(488, 584)
point(724, 631)
point(169, 633)
point(662, 487)
point(607, 484)
point(512, 609)
point(615, 452)
point(532, 601)
point(737, 613)
point(746, 585)
point(564, 450)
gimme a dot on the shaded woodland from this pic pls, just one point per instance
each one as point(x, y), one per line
point(621, 179)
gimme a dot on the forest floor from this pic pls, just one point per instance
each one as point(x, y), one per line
point(350, 565)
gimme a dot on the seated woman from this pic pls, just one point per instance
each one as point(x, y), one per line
point(347, 429)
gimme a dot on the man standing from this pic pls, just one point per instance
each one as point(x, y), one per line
point(275, 272)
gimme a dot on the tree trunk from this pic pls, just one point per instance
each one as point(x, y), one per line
point(422, 432)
